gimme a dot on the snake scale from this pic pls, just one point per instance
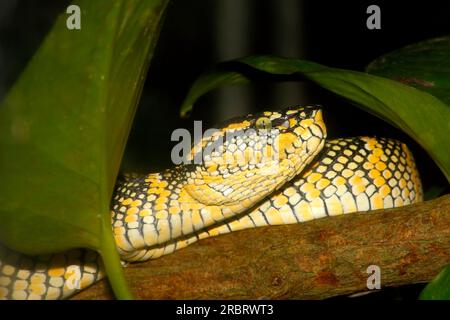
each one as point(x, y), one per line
point(156, 214)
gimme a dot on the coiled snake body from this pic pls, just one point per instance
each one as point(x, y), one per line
point(278, 169)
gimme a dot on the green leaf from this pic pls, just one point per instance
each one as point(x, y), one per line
point(424, 117)
point(63, 129)
point(424, 65)
point(439, 288)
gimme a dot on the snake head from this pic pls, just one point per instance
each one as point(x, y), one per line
point(247, 158)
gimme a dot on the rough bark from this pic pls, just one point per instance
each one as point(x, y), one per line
point(314, 260)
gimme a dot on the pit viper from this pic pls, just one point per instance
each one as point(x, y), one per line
point(271, 168)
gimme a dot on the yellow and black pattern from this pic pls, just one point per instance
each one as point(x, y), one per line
point(275, 168)
point(350, 175)
point(159, 208)
point(50, 277)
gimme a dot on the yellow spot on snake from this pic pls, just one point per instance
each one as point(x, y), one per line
point(377, 152)
point(8, 270)
point(348, 202)
point(313, 194)
point(334, 206)
point(373, 174)
point(216, 214)
point(290, 192)
point(23, 274)
point(373, 159)
point(303, 210)
point(86, 280)
point(368, 165)
point(56, 272)
point(163, 184)
point(132, 210)
point(161, 214)
point(306, 122)
point(37, 278)
point(38, 289)
point(212, 168)
point(358, 189)
point(119, 230)
point(355, 180)
point(385, 190)
point(343, 160)
point(136, 203)
point(358, 158)
point(292, 122)
point(274, 216)
point(20, 285)
point(280, 201)
point(376, 201)
point(371, 142)
point(405, 193)
point(314, 177)
point(307, 187)
point(322, 184)
point(161, 206)
point(240, 125)
point(267, 151)
point(131, 218)
point(402, 183)
point(127, 201)
point(174, 210)
point(161, 200)
point(285, 141)
point(144, 212)
point(380, 166)
point(347, 173)
point(196, 219)
point(121, 241)
point(379, 181)
point(52, 293)
point(214, 232)
point(387, 174)
point(299, 130)
point(338, 181)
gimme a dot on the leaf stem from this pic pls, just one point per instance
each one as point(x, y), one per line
point(113, 267)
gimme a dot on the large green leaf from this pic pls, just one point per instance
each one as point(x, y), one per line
point(439, 288)
point(421, 115)
point(63, 129)
point(424, 65)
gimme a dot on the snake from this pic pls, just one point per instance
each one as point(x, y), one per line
point(262, 169)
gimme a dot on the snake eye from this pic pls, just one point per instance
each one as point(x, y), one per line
point(263, 123)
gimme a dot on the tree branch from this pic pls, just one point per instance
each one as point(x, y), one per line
point(314, 260)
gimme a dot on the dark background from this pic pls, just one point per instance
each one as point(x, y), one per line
point(199, 33)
